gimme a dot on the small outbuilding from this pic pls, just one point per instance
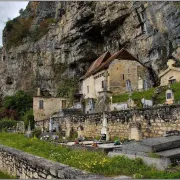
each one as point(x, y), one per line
point(170, 75)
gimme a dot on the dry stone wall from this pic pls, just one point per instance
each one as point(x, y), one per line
point(151, 122)
point(27, 166)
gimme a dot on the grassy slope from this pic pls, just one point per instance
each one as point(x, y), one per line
point(5, 176)
point(159, 98)
point(95, 162)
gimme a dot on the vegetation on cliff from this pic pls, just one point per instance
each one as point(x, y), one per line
point(17, 29)
point(67, 88)
point(20, 28)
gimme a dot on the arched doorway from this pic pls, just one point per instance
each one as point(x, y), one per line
point(128, 85)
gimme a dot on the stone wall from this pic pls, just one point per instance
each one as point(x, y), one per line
point(27, 166)
point(50, 106)
point(122, 70)
point(150, 122)
point(172, 73)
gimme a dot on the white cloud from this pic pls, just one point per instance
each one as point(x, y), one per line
point(9, 9)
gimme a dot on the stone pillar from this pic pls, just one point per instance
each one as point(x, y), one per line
point(50, 125)
point(135, 131)
point(105, 129)
point(80, 132)
point(140, 84)
point(38, 92)
point(68, 127)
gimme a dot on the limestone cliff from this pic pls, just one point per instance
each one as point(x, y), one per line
point(63, 38)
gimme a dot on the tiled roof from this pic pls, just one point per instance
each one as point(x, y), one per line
point(96, 64)
point(105, 60)
point(121, 55)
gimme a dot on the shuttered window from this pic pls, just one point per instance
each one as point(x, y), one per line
point(41, 104)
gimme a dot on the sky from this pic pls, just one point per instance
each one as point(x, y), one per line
point(9, 9)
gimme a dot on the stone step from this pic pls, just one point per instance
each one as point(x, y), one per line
point(172, 153)
point(152, 144)
point(119, 149)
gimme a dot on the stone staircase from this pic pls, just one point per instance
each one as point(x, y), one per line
point(160, 150)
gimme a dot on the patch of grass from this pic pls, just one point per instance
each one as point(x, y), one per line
point(5, 176)
point(136, 96)
point(158, 98)
point(95, 162)
point(153, 155)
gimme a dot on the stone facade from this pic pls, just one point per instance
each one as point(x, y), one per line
point(151, 122)
point(117, 74)
point(122, 71)
point(26, 166)
point(170, 75)
point(44, 107)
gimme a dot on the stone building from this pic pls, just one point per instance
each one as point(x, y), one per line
point(125, 74)
point(45, 107)
point(170, 75)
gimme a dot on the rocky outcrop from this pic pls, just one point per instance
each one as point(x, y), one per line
point(84, 30)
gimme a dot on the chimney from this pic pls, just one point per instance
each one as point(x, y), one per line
point(170, 63)
point(38, 92)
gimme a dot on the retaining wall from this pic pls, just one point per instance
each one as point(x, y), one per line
point(152, 122)
point(27, 166)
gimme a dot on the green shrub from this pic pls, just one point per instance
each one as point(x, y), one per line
point(67, 88)
point(21, 102)
point(7, 123)
point(36, 133)
point(28, 117)
point(153, 155)
point(9, 25)
point(6, 176)
point(18, 29)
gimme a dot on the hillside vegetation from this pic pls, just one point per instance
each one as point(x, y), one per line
point(158, 98)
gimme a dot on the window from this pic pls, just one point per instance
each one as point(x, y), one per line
point(171, 81)
point(63, 104)
point(123, 76)
point(102, 84)
point(41, 104)
point(145, 85)
point(87, 89)
point(169, 95)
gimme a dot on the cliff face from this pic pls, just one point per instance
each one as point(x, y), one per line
point(79, 33)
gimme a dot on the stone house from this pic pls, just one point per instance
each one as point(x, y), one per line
point(124, 74)
point(170, 75)
point(44, 107)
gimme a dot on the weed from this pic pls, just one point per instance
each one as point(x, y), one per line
point(153, 155)
point(95, 162)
